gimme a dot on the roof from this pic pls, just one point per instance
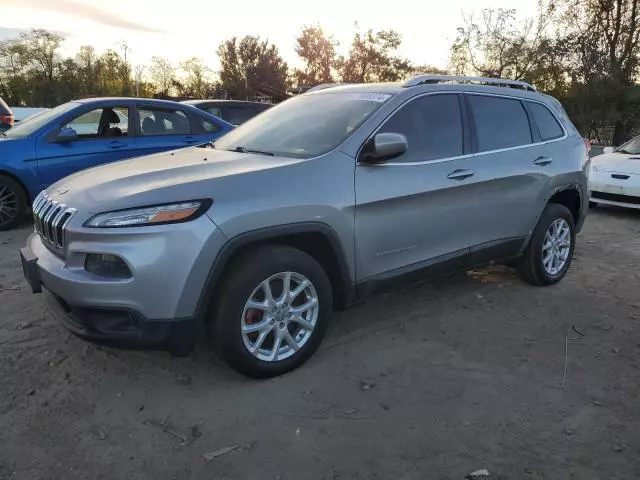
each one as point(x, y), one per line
point(124, 99)
point(223, 102)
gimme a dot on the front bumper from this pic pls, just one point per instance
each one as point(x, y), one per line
point(169, 267)
point(120, 328)
point(605, 188)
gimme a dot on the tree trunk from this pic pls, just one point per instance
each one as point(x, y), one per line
point(620, 133)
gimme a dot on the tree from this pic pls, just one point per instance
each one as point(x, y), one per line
point(602, 51)
point(372, 58)
point(419, 69)
point(162, 74)
point(247, 64)
point(196, 84)
point(318, 53)
point(14, 65)
point(500, 46)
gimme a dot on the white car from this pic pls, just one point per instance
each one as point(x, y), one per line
point(614, 178)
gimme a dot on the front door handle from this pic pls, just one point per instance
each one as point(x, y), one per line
point(189, 141)
point(460, 174)
point(116, 145)
point(542, 161)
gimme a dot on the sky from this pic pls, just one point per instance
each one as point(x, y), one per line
point(179, 30)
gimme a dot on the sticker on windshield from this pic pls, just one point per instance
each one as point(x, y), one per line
point(372, 97)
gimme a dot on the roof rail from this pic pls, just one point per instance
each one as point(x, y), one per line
point(430, 79)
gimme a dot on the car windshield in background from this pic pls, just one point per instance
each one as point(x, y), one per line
point(33, 123)
point(631, 147)
point(305, 126)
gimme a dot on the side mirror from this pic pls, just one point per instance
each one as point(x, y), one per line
point(608, 150)
point(67, 134)
point(383, 147)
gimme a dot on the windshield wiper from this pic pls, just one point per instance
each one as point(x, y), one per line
point(241, 149)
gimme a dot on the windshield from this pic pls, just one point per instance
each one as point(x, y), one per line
point(632, 147)
point(305, 126)
point(29, 125)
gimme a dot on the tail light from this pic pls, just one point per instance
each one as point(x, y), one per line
point(6, 119)
point(587, 143)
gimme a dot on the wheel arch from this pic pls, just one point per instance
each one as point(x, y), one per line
point(571, 197)
point(314, 238)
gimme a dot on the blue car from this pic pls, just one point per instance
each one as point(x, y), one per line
point(84, 133)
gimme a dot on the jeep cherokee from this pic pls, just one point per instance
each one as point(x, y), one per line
point(310, 206)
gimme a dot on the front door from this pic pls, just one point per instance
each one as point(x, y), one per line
point(415, 209)
point(102, 136)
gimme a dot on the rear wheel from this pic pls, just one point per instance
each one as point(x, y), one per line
point(550, 250)
point(273, 313)
point(13, 203)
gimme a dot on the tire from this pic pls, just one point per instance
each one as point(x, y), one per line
point(531, 265)
point(244, 280)
point(13, 203)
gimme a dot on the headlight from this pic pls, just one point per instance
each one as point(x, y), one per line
point(154, 215)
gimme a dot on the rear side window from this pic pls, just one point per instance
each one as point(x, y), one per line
point(238, 115)
point(500, 122)
point(214, 111)
point(163, 122)
point(547, 124)
point(208, 126)
point(432, 125)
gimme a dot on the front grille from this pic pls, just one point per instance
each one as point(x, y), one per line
point(615, 197)
point(50, 218)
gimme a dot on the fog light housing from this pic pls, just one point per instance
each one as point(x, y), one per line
point(106, 265)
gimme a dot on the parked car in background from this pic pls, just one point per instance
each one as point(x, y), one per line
point(81, 134)
point(235, 112)
point(6, 116)
point(614, 178)
point(317, 202)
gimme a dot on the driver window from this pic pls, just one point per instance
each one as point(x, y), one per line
point(101, 122)
point(432, 125)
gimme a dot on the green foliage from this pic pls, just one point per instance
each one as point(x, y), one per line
point(372, 58)
point(584, 52)
point(318, 52)
point(249, 63)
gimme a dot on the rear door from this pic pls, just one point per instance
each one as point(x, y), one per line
point(162, 128)
point(511, 167)
point(102, 137)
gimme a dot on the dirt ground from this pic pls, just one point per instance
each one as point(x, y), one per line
point(432, 381)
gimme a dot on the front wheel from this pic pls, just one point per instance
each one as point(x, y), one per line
point(273, 313)
point(550, 250)
point(13, 203)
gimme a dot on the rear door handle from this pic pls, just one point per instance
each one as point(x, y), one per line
point(542, 161)
point(460, 174)
point(116, 145)
point(189, 140)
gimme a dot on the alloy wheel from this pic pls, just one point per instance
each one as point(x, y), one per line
point(280, 316)
point(556, 246)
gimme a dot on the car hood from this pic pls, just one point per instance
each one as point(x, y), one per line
point(179, 175)
point(616, 162)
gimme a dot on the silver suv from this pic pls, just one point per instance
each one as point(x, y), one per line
point(310, 206)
